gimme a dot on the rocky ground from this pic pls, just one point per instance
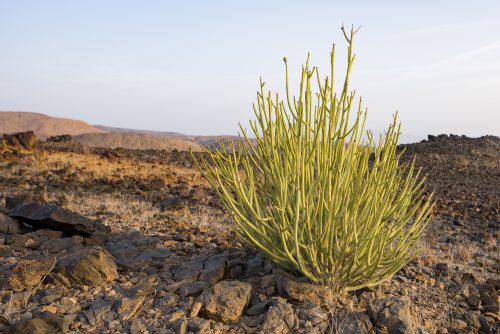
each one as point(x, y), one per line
point(123, 241)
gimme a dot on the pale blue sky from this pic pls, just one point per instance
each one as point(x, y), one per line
point(193, 66)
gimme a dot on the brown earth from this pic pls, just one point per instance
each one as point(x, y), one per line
point(171, 263)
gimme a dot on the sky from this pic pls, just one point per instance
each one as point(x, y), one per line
point(194, 66)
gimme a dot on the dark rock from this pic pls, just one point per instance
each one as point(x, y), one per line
point(9, 225)
point(189, 271)
point(257, 309)
point(442, 266)
point(60, 139)
point(193, 289)
point(88, 266)
point(54, 217)
point(254, 265)
point(213, 269)
point(257, 298)
point(225, 301)
point(12, 201)
point(199, 325)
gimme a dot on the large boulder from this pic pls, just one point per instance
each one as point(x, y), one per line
point(226, 301)
point(91, 266)
point(54, 217)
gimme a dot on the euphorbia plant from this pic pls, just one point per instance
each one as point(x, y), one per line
point(315, 192)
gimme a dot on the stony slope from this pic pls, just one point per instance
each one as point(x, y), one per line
point(171, 263)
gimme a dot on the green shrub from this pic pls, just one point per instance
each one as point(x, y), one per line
point(314, 193)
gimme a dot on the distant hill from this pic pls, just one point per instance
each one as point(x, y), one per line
point(124, 130)
point(42, 125)
point(136, 141)
point(201, 141)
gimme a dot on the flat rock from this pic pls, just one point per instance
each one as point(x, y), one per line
point(226, 300)
point(54, 217)
point(88, 266)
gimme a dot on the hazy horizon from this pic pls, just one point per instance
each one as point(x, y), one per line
point(193, 68)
